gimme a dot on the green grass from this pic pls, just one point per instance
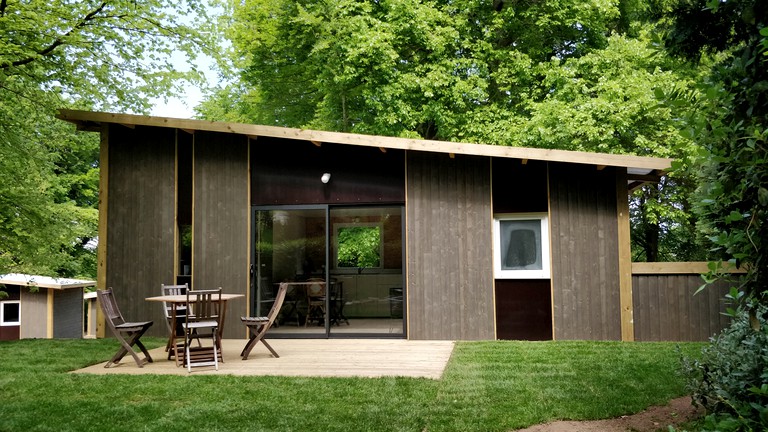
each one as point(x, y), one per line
point(488, 386)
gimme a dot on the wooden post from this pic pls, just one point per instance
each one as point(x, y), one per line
point(625, 257)
point(101, 251)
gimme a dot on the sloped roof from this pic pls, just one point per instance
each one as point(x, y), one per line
point(21, 279)
point(639, 168)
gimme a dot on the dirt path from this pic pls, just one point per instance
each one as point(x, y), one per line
point(651, 420)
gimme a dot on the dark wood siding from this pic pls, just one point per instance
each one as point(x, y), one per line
point(220, 239)
point(584, 248)
point(523, 309)
point(665, 308)
point(288, 172)
point(449, 252)
point(518, 187)
point(68, 313)
point(140, 219)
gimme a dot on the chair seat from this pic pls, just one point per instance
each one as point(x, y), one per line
point(259, 325)
point(127, 333)
point(201, 324)
point(133, 325)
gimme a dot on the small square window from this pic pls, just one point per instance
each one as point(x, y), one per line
point(358, 245)
point(10, 313)
point(521, 246)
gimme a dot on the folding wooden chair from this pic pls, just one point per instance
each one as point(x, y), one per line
point(202, 321)
point(258, 326)
point(127, 333)
point(315, 302)
point(169, 310)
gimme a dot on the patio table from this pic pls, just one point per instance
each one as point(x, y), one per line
point(181, 300)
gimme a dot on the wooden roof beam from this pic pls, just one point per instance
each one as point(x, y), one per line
point(642, 163)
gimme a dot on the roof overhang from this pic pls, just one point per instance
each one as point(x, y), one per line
point(640, 169)
point(20, 279)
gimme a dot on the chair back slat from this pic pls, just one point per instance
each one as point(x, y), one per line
point(127, 333)
point(109, 307)
point(204, 304)
point(278, 304)
point(173, 290)
point(316, 289)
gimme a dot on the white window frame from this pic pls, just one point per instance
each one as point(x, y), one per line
point(3, 323)
point(501, 273)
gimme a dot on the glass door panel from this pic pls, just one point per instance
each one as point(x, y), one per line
point(366, 271)
point(291, 247)
point(344, 267)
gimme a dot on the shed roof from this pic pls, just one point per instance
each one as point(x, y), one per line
point(639, 168)
point(21, 279)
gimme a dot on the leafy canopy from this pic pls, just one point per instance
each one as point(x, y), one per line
point(571, 74)
point(107, 55)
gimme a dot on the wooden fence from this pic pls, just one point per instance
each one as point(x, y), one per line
point(666, 308)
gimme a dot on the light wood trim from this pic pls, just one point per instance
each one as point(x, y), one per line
point(551, 256)
point(568, 156)
point(49, 315)
point(249, 230)
point(101, 250)
point(176, 233)
point(693, 267)
point(625, 257)
point(493, 251)
point(406, 270)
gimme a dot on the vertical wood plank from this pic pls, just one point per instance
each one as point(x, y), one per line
point(665, 308)
point(585, 281)
point(221, 218)
point(140, 219)
point(450, 269)
point(101, 250)
point(625, 257)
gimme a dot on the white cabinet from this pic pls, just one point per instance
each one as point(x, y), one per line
point(368, 295)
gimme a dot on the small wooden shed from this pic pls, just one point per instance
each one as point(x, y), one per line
point(41, 307)
point(464, 241)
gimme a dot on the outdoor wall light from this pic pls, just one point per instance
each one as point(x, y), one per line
point(326, 177)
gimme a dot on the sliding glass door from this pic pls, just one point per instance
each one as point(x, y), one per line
point(343, 266)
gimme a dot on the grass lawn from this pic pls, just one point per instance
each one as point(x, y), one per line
point(488, 386)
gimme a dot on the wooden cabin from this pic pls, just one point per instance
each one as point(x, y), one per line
point(412, 238)
point(41, 307)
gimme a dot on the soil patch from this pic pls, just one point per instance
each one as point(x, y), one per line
point(653, 419)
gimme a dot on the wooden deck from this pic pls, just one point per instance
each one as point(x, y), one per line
point(309, 357)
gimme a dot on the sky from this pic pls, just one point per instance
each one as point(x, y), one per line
point(183, 106)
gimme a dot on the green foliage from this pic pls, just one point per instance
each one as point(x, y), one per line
point(106, 55)
point(576, 75)
point(359, 247)
point(730, 121)
point(731, 378)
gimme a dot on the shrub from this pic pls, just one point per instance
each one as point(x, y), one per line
point(731, 379)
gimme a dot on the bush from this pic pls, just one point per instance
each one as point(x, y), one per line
point(731, 379)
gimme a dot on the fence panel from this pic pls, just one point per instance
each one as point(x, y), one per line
point(665, 307)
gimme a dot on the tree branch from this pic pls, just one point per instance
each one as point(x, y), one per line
point(61, 40)
point(3, 6)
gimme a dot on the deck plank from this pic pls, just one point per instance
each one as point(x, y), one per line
point(370, 358)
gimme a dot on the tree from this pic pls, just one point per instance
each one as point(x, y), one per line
point(109, 54)
point(730, 121)
point(570, 75)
